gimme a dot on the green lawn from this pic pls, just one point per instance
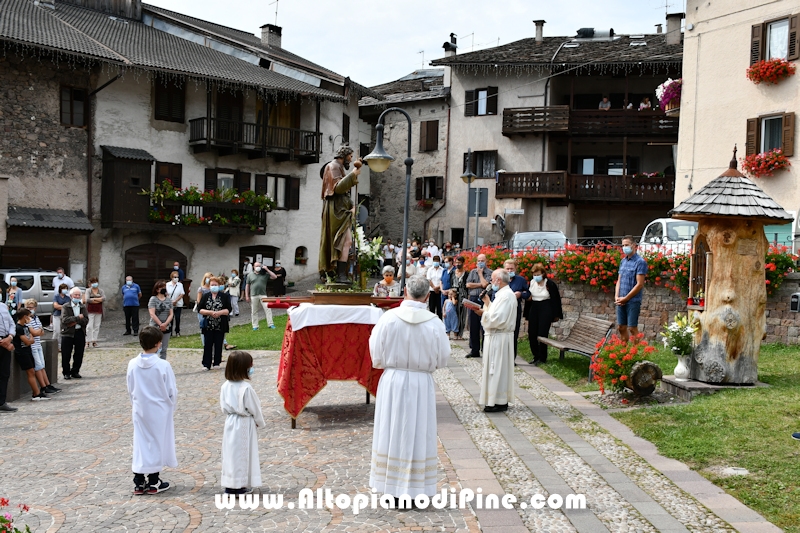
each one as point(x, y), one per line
point(743, 428)
point(243, 337)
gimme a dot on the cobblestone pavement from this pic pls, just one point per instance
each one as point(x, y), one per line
point(69, 459)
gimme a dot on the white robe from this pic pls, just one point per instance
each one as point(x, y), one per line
point(153, 395)
point(498, 321)
point(240, 464)
point(409, 343)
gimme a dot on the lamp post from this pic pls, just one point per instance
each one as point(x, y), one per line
point(468, 177)
point(378, 161)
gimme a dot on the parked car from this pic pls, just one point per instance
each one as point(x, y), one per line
point(668, 234)
point(541, 240)
point(36, 284)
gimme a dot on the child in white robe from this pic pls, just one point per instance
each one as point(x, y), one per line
point(241, 469)
point(154, 395)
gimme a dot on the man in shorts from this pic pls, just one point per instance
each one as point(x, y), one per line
point(628, 292)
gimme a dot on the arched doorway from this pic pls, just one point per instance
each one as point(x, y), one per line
point(148, 263)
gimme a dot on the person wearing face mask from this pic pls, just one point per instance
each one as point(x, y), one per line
point(232, 287)
point(628, 291)
point(60, 298)
point(214, 307)
point(74, 319)
point(93, 298)
point(458, 282)
point(131, 294)
point(447, 270)
point(279, 283)
point(62, 278)
point(498, 318)
point(247, 269)
point(161, 314)
point(13, 297)
point(176, 292)
point(542, 310)
point(477, 281)
point(519, 286)
point(411, 268)
point(202, 290)
point(257, 289)
point(434, 276)
point(388, 286)
point(176, 267)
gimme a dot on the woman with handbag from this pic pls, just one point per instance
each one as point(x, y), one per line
point(214, 308)
point(93, 298)
point(161, 314)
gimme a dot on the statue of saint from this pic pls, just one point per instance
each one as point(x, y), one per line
point(338, 213)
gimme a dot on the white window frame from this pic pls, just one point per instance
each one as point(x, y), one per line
point(225, 181)
point(763, 144)
point(783, 24)
point(276, 189)
point(483, 98)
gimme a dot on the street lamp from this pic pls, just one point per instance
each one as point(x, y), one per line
point(468, 178)
point(378, 161)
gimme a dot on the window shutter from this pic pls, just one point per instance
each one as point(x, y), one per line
point(787, 142)
point(793, 49)
point(751, 146)
point(242, 181)
point(162, 172)
point(293, 193)
point(470, 104)
point(433, 135)
point(176, 175)
point(491, 100)
point(473, 164)
point(439, 187)
point(756, 43)
point(176, 103)
point(484, 203)
point(261, 184)
point(345, 128)
point(423, 136)
point(489, 164)
point(419, 189)
point(211, 179)
point(162, 100)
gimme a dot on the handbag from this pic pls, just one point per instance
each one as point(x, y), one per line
point(203, 322)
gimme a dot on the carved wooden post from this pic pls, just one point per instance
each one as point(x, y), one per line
point(731, 212)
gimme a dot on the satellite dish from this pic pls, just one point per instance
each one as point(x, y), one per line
point(501, 225)
point(363, 214)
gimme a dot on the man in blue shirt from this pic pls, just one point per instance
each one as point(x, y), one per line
point(7, 332)
point(446, 283)
point(628, 292)
point(519, 285)
point(177, 268)
point(131, 293)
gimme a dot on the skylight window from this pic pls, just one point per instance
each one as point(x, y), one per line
point(572, 45)
point(637, 36)
point(638, 43)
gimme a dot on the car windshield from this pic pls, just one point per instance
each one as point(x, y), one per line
point(548, 241)
point(681, 230)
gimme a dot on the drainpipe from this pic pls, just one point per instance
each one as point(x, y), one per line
point(446, 177)
point(89, 171)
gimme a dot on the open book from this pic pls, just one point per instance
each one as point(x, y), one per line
point(471, 305)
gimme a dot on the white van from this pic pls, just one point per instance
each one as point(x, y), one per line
point(668, 234)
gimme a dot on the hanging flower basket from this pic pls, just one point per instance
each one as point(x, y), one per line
point(765, 164)
point(425, 204)
point(669, 94)
point(770, 71)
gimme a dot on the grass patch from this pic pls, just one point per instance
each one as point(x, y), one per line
point(243, 337)
point(573, 370)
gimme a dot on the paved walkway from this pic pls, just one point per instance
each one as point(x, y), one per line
point(69, 459)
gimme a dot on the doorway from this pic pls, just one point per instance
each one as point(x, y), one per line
point(149, 263)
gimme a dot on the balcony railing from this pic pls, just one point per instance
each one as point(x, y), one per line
point(588, 122)
point(585, 188)
point(255, 138)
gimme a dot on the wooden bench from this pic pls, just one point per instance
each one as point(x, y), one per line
point(583, 337)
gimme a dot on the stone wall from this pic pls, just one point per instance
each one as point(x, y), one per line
point(660, 306)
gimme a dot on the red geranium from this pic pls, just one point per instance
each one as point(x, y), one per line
point(764, 164)
point(770, 70)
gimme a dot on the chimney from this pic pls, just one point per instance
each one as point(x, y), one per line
point(659, 28)
point(539, 30)
point(451, 47)
point(674, 27)
point(271, 35)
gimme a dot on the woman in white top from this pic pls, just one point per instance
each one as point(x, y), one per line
point(543, 309)
point(233, 290)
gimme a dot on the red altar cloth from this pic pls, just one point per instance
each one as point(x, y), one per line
point(315, 354)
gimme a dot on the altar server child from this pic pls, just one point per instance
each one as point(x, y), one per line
point(154, 395)
point(450, 314)
point(241, 469)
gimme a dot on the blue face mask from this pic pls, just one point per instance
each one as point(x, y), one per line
point(94, 285)
point(481, 264)
point(627, 250)
point(495, 288)
point(435, 264)
point(538, 279)
point(215, 288)
point(250, 371)
point(128, 282)
point(13, 283)
point(65, 292)
point(76, 300)
point(512, 274)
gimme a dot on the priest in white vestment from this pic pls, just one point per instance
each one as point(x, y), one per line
point(498, 318)
point(409, 343)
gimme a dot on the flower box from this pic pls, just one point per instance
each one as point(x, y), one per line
point(770, 71)
point(765, 164)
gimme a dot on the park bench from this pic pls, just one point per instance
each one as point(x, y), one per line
point(583, 337)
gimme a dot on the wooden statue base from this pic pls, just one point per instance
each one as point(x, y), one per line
point(342, 298)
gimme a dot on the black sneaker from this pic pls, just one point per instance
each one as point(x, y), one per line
point(795, 436)
point(126, 333)
point(139, 490)
point(42, 396)
point(76, 376)
point(161, 487)
point(67, 376)
point(52, 390)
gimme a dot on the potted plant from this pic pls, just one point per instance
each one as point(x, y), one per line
point(700, 298)
point(669, 95)
point(369, 254)
point(614, 361)
point(770, 71)
point(765, 163)
point(678, 337)
point(425, 203)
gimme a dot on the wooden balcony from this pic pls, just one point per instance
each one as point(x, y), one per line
point(588, 122)
point(257, 140)
point(585, 188)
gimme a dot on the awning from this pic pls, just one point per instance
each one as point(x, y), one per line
point(128, 153)
point(60, 219)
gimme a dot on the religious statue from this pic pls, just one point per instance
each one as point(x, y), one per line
point(338, 213)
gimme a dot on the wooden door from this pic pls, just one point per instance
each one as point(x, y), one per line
point(230, 108)
point(149, 263)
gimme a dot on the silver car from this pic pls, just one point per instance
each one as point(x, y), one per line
point(36, 284)
point(551, 241)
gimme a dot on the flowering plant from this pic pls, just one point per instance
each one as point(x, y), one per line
point(669, 90)
point(613, 361)
point(369, 252)
point(7, 519)
point(598, 266)
point(678, 335)
point(770, 70)
point(778, 263)
point(194, 196)
point(764, 164)
point(667, 268)
point(649, 175)
point(425, 203)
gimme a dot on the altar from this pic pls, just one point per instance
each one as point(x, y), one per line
point(322, 343)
